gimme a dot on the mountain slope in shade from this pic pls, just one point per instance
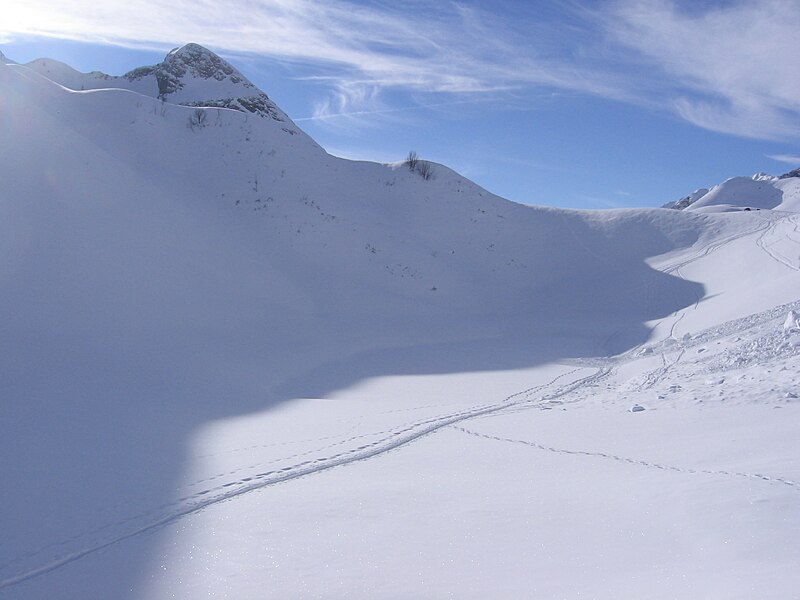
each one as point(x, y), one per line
point(196, 309)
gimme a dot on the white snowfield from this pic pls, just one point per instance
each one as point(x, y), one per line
point(232, 365)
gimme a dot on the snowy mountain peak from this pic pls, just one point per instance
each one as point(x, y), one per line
point(194, 76)
point(759, 192)
point(189, 61)
point(196, 54)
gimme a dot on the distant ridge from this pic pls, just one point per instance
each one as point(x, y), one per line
point(761, 191)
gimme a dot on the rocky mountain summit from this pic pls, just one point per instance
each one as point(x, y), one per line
point(189, 76)
point(193, 59)
point(193, 66)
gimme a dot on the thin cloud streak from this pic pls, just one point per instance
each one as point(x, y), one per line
point(790, 159)
point(324, 116)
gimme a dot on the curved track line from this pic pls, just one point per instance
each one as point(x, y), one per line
point(396, 439)
point(674, 268)
point(794, 485)
point(714, 246)
point(766, 247)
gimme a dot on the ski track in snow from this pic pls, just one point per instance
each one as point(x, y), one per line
point(674, 268)
point(714, 246)
point(394, 438)
point(737, 327)
point(354, 427)
point(657, 375)
point(772, 231)
point(794, 485)
point(766, 228)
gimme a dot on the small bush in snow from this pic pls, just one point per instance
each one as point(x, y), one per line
point(425, 169)
point(411, 160)
point(422, 167)
point(198, 118)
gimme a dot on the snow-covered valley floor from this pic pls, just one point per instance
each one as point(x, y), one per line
point(671, 471)
point(557, 491)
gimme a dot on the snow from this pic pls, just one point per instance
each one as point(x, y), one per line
point(755, 193)
point(236, 366)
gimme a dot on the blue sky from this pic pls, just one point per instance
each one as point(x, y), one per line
point(577, 104)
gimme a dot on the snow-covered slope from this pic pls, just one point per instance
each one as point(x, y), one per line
point(199, 303)
point(745, 193)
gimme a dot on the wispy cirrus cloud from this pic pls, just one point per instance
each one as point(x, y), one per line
point(415, 45)
point(722, 66)
point(790, 159)
point(361, 47)
point(728, 67)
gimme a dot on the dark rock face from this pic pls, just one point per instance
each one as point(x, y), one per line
point(686, 201)
point(792, 173)
point(679, 204)
point(203, 64)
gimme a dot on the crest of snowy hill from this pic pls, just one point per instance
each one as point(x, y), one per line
point(190, 76)
point(758, 192)
point(366, 242)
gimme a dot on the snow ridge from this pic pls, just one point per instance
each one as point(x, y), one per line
point(759, 192)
